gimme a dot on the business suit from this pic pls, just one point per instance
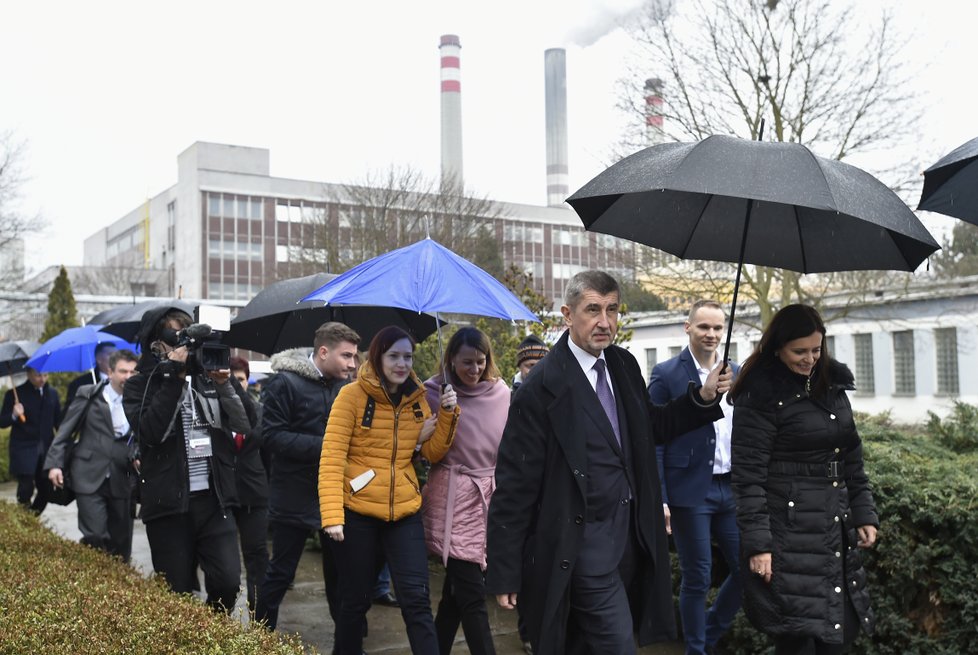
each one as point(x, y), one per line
point(29, 441)
point(558, 516)
point(696, 487)
point(98, 471)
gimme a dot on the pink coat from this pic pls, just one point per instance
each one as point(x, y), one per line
point(456, 497)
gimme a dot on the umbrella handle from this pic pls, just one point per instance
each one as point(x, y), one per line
point(22, 418)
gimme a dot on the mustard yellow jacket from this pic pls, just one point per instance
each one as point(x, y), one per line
point(385, 445)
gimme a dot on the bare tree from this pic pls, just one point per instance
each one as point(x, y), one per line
point(14, 223)
point(814, 69)
point(394, 208)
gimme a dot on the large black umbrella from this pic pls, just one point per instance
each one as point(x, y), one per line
point(274, 321)
point(770, 204)
point(14, 354)
point(123, 321)
point(951, 185)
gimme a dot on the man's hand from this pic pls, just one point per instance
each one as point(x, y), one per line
point(57, 478)
point(507, 601)
point(668, 515)
point(221, 376)
point(19, 411)
point(716, 383)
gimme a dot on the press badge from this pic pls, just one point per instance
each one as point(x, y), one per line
point(199, 444)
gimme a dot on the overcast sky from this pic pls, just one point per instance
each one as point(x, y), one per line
point(106, 94)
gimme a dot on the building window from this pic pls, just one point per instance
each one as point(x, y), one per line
point(651, 359)
point(865, 373)
point(946, 344)
point(675, 350)
point(732, 353)
point(904, 368)
point(830, 346)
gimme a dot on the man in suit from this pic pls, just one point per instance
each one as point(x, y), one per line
point(99, 467)
point(698, 502)
point(32, 413)
point(101, 372)
point(576, 531)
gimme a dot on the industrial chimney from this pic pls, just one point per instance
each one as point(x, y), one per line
point(555, 69)
point(653, 111)
point(451, 111)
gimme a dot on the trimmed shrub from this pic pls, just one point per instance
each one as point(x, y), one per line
point(61, 597)
point(4, 454)
point(923, 571)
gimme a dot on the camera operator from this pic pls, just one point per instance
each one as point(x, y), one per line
point(184, 418)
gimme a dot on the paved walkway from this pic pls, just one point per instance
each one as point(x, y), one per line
point(304, 609)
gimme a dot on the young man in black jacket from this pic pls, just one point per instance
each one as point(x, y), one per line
point(184, 422)
point(295, 404)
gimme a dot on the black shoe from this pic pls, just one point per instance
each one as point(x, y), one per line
point(387, 600)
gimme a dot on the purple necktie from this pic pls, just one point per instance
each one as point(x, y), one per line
point(606, 398)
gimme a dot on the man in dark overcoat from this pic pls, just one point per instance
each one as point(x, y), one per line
point(32, 416)
point(576, 529)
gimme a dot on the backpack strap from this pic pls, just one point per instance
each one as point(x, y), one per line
point(368, 413)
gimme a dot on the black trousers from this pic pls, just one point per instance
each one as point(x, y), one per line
point(288, 542)
point(252, 523)
point(402, 543)
point(106, 521)
point(463, 601)
point(26, 484)
point(204, 535)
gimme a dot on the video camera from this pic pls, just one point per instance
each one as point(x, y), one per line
point(203, 339)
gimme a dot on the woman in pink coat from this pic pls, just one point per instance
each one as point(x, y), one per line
point(460, 486)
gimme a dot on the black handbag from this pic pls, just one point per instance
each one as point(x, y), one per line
point(65, 495)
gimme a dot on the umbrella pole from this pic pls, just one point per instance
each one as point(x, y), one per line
point(740, 267)
point(441, 354)
point(23, 419)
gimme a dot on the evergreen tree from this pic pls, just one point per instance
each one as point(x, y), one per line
point(61, 307)
point(61, 316)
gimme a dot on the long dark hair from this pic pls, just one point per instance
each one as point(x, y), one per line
point(475, 338)
point(381, 343)
point(790, 323)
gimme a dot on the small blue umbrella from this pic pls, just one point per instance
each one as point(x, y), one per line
point(73, 349)
point(424, 277)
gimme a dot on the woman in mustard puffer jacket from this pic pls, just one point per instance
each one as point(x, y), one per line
point(369, 496)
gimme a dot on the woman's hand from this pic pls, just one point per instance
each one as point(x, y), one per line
point(760, 565)
point(448, 398)
point(867, 536)
point(334, 532)
point(427, 429)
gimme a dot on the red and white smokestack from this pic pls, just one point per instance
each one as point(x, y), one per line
point(555, 80)
point(451, 110)
point(653, 111)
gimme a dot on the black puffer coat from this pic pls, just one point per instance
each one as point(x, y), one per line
point(791, 505)
point(295, 404)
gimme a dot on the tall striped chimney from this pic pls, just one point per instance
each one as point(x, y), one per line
point(555, 71)
point(451, 110)
point(653, 111)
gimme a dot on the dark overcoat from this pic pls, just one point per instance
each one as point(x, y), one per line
point(789, 505)
point(30, 440)
point(537, 515)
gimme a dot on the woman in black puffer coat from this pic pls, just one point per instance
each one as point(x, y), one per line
point(804, 504)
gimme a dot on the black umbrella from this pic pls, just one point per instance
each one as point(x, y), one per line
point(274, 321)
point(123, 321)
point(770, 204)
point(14, 354)
point(951, 185)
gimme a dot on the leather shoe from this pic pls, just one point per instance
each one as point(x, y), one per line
point(387, 600)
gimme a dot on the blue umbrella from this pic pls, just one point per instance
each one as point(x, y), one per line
point(73, 349)
point(424, 277)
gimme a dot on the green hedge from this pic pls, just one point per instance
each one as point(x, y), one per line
point(57, 596)
point(923, 572)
